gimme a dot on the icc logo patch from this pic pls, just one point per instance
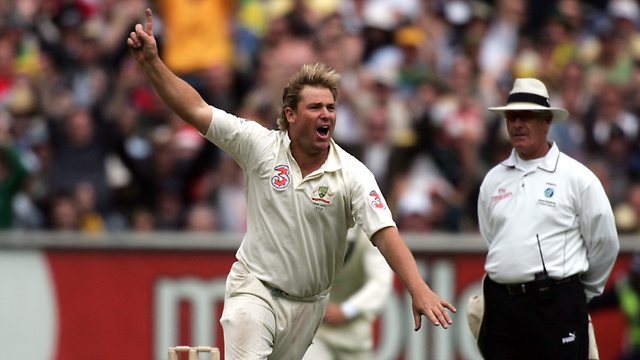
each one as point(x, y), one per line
point(548, 195)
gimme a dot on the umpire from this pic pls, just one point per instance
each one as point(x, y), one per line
point(551, 238)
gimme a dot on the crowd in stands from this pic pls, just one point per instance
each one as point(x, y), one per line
point(86, 145)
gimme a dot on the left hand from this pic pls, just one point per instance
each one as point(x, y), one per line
point(429, 304)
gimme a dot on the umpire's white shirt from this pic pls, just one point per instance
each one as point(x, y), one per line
point(560, 201)
point(297, 227)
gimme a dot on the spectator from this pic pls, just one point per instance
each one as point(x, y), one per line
point(12, 178)
point(170, 208)
point(90, 219)
point(628, 212)
point(416, 64)
point(201, 218)
point(609, 116)
point(81, 146)
point(142, 220)
point(612, 64)
point(624, 294)
point(570, 135)
point(191, 45)
point(63, 213)
point(224, 191)
point(498, 47)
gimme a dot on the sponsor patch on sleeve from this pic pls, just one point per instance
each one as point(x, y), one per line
point(376, 200)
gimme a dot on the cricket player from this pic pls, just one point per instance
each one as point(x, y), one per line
point(358, 295)
point(303, 194)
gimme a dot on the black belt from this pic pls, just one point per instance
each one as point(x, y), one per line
point(532, 286)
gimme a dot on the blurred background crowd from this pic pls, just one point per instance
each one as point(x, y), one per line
point(86, 145)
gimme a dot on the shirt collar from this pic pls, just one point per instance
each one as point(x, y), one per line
point(333, 162)
point(549, 162)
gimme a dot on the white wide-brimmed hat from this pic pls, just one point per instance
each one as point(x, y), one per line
point(530, 94)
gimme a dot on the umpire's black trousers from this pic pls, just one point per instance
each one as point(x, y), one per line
point(521, 321)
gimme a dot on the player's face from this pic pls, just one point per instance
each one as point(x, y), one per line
point(528, 132)
point(312, 122)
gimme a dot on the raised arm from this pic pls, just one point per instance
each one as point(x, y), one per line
point(183, 99)
point(424, 300)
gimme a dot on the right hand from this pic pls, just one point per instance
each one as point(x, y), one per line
point(141, 41)
point(334, 315)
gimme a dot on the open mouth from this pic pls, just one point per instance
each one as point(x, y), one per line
point(323, 130)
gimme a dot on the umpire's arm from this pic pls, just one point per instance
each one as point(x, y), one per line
point(598, 229)
point(183, 99)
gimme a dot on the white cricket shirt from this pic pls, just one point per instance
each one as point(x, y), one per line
point(563, 203)
point(297, 227)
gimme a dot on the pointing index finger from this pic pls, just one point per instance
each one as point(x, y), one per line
point(148, 27)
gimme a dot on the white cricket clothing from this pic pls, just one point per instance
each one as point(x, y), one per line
point(369, 300)
point(560, 201)
point(258, 325)
point(362, 288)
point(297, 227)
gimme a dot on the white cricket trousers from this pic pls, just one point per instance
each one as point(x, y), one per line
point(258, 325)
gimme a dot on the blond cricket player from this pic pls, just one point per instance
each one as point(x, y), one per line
point(303, 194)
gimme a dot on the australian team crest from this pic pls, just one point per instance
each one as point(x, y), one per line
point(282, 178)
point(322, 196)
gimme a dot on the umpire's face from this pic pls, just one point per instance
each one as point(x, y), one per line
point(528, 132)
point(312, 121)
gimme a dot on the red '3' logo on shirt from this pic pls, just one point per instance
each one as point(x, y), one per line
point(377, 200)
point(281, 179)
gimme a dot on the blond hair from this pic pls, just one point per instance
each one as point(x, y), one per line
point(318, 75)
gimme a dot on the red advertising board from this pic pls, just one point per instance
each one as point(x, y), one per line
point(134, 303)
